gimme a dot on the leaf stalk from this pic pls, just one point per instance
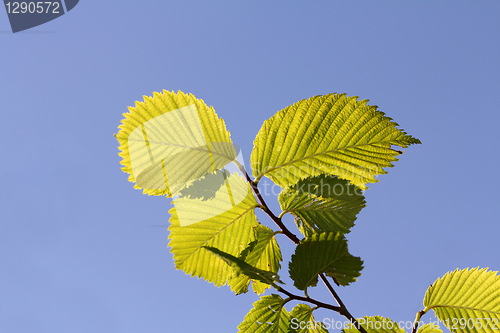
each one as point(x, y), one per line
point(308, 299)
point(417, 320)
point(268, 211)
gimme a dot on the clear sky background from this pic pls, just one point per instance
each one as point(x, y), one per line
point(82, 251)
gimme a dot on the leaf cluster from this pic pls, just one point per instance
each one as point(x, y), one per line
point(323, 152)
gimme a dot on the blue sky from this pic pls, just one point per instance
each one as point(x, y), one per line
point(82, 251)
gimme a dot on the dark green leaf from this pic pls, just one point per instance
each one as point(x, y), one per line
point(322, 204)
point(323, 253)
point(241, 267)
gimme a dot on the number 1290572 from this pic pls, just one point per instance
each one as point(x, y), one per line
point(39, 7)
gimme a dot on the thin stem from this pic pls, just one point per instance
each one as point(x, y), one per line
point(308, 299)
point(330, 288)
point(417, 320)
point(276, 219)
point(341, 309)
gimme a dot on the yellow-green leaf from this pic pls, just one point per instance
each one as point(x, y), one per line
point(217, 222)
point(466, 300)
point(332, 134)
point(171, 140)
point(303, 320)
point(265, 254)
point(268, 315)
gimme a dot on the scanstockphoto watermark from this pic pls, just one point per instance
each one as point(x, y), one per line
point(330, 181)
point(24, 15)
point(316, 186)
point(330, 323)
point(304, 170)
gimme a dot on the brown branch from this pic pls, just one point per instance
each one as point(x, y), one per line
point(276, 219)
point(341, 309)
point(310, 300)
point(417, 321)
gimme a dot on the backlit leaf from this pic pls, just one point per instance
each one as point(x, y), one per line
point(466, 300)
point(303, 320)
point(171, 140)
point(265, 254)
point(216, 222)
point(331, 134)
point(268, 315)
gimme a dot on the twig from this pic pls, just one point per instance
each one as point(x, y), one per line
point(277, 220)
point(341, 309)
point(417, 321)
point(310, 300)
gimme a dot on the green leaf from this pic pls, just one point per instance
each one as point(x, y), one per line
point(241, 267)
point(264, 254)
point(225, 226)
point(171, 140)
point(466, 300)
point(303, 320)
point(323, 253)
point(332, 134)
point(375, 324)
point(323, 203)
point(268, 315)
